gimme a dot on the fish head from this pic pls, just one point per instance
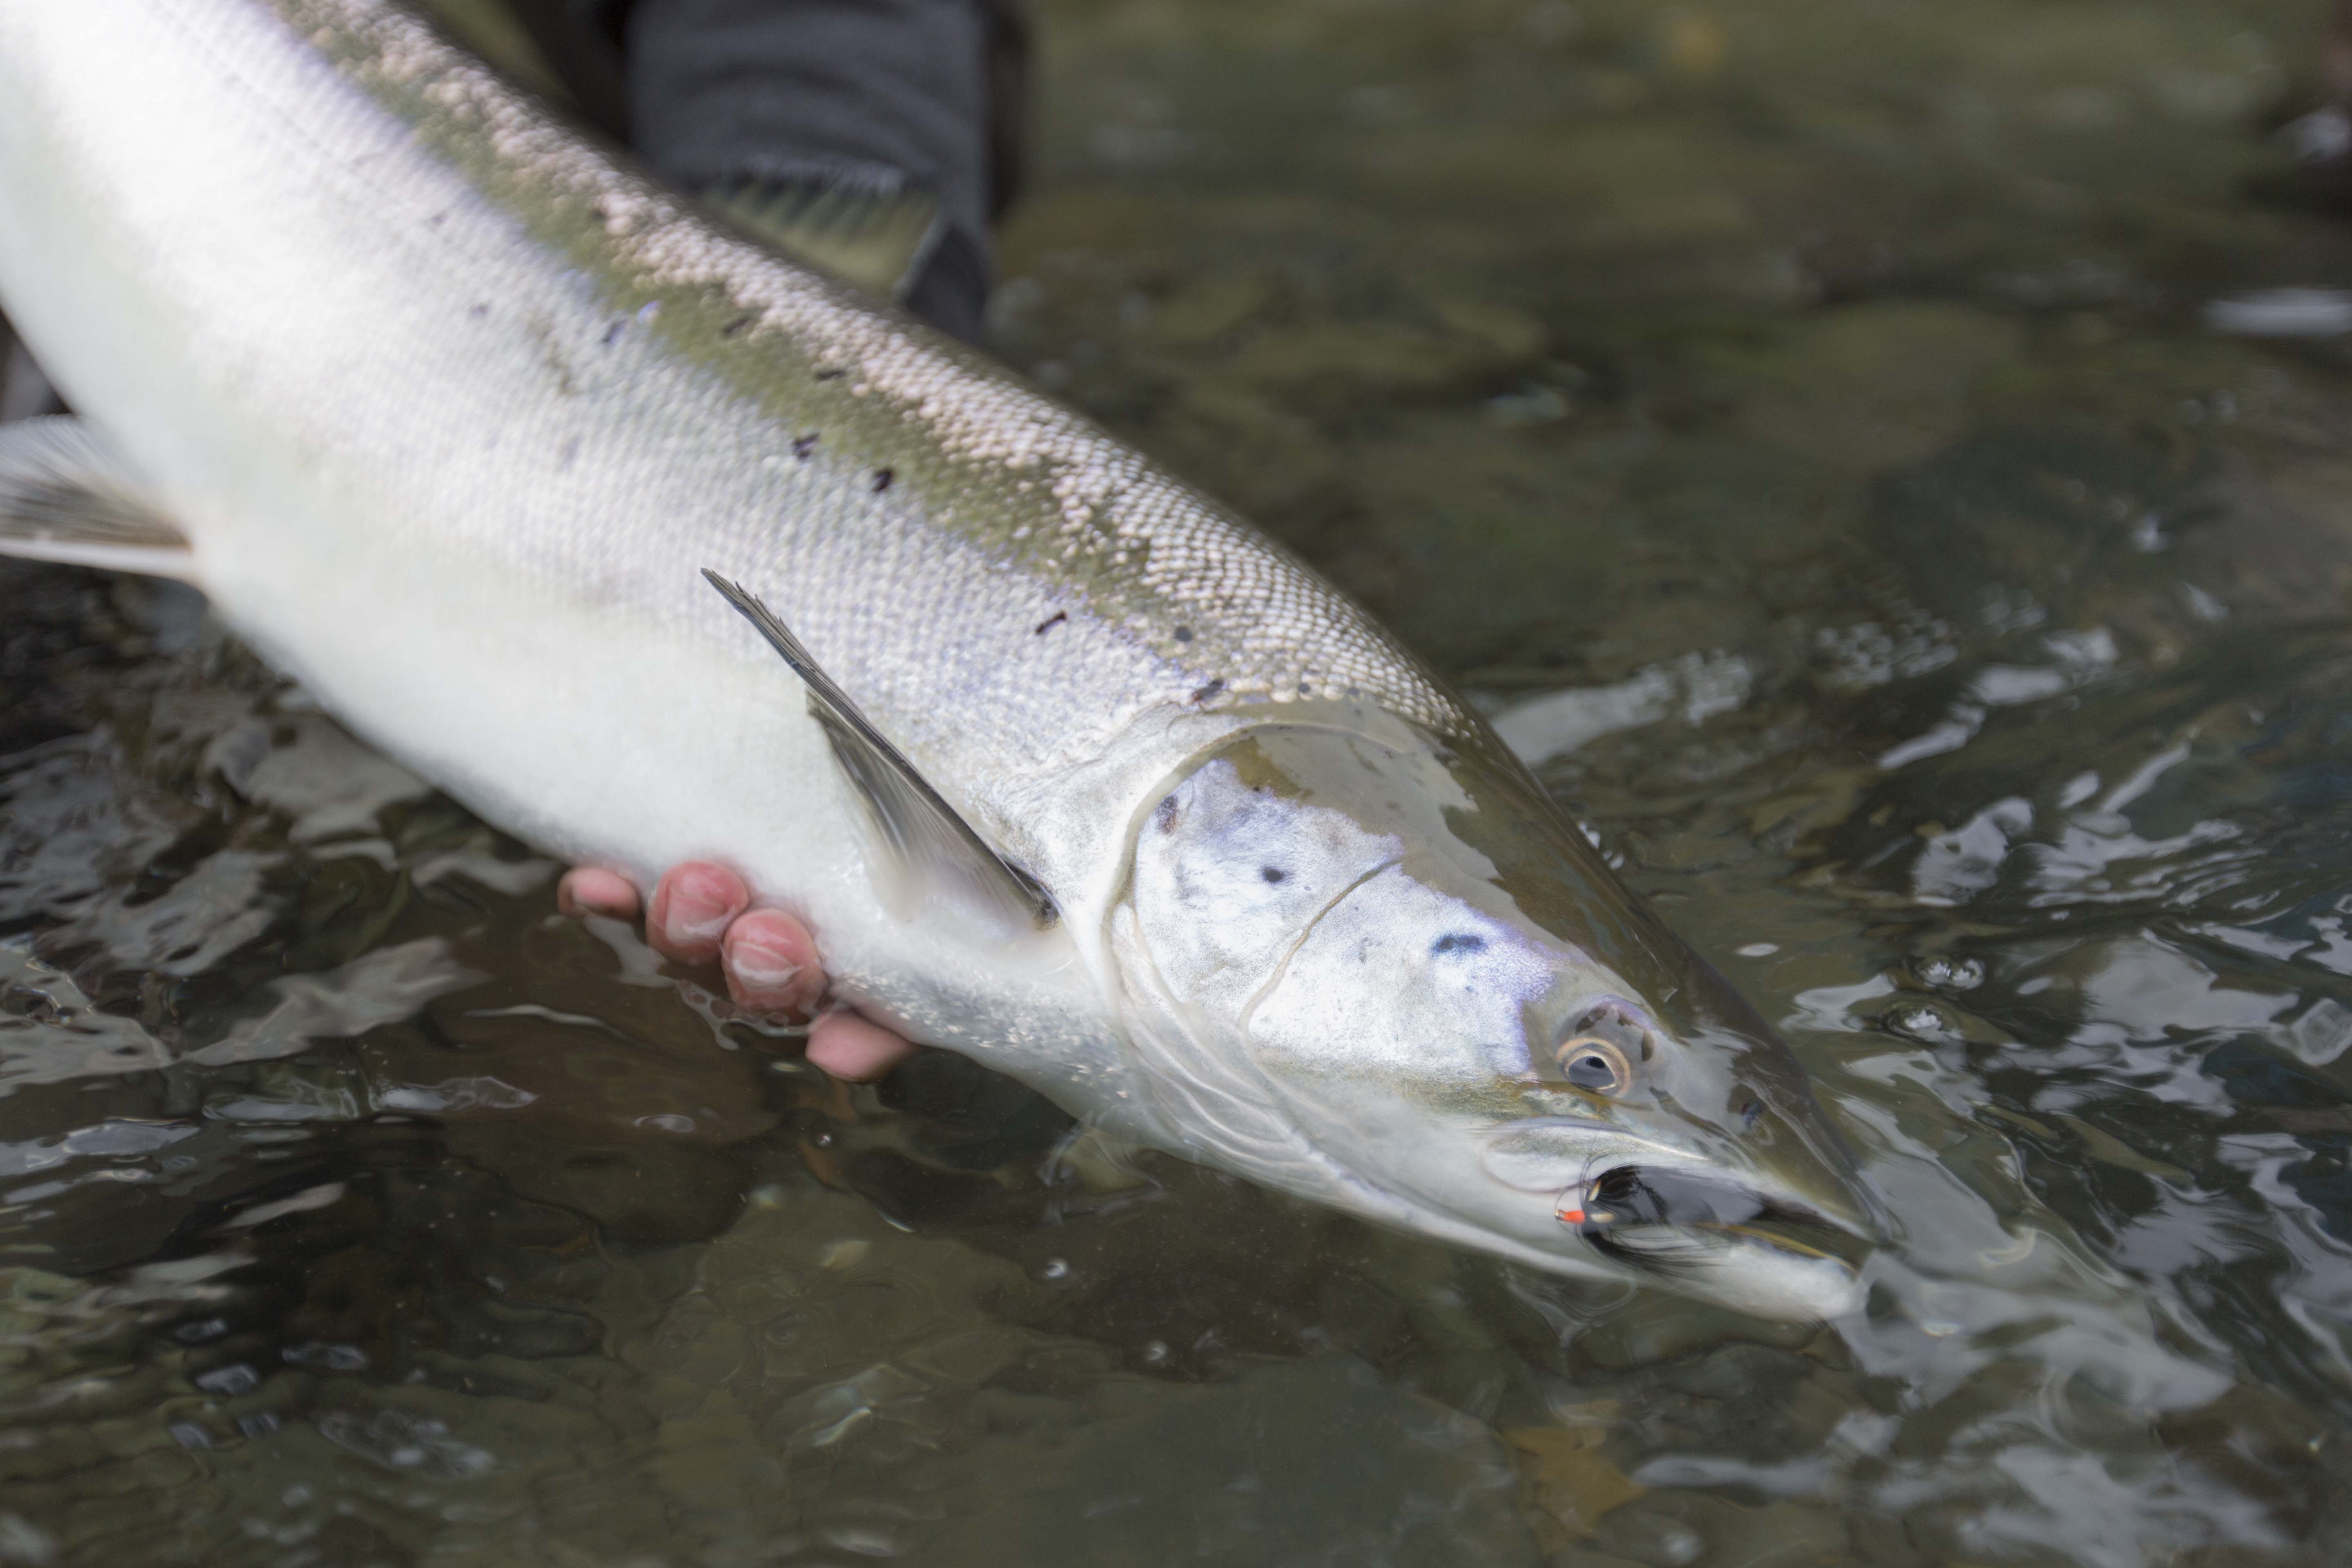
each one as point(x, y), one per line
point(1401, 952)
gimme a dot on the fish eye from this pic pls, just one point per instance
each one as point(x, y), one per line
point(1594, 1064)
point(1598, 1054)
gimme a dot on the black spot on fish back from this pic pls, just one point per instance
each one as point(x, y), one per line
point(1274, 873)
point(1459, 942)
point(1050, 622)
point(804, 445)
point(881, 480)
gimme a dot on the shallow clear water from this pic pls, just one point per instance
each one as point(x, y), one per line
point(1800, 424)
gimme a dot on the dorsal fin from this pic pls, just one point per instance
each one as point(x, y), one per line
point(925, 833)
point(65, 496)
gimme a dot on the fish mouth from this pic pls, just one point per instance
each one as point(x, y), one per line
point(1662, 1220)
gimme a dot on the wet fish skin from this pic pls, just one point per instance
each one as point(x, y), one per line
point(347, 274)
point(453, 406)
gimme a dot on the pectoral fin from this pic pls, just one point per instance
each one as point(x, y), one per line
point(66, 497)
point(922, 831)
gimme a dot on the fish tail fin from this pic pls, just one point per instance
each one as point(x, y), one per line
point(65, 496)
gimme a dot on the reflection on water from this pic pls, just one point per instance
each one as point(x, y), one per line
point(1804, 426)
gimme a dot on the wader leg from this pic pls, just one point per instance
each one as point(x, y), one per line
point(875, 139)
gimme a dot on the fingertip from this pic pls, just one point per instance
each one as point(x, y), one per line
point(770, 963)
point(692, 905)
point(855, 1049)
point(596, 890)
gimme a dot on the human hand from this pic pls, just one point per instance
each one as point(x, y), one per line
point(702, 914)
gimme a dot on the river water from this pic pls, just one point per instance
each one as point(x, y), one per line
point(1847, 445)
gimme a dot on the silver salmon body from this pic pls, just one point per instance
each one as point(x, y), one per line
point(448, 408)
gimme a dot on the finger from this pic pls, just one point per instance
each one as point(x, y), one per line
point(858, 1049)
point(595, 890)
point(692, 905)
point(770, 963)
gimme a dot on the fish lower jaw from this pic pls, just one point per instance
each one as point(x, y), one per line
point(1755, 1282)
point(1769, 1282)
